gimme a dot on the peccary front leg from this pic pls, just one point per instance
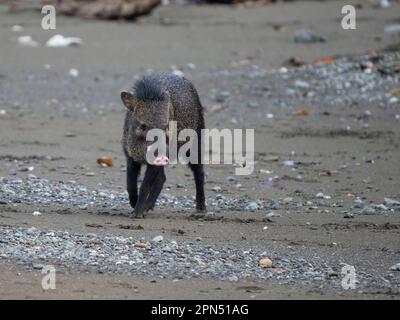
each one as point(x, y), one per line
point(198, 173)
point(132, 173)
point(156, 190)
point(150, 189)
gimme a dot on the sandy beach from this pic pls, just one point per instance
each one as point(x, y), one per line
point(325, 188)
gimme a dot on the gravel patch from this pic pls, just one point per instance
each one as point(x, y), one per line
point(168, 258)
point(45, 193)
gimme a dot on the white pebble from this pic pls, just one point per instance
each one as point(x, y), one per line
point(74, 73)
point(158, 239)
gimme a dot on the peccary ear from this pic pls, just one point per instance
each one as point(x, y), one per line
point(129, 100)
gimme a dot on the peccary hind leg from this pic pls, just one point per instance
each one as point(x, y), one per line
point(198, 173)
point(132, 173)
point(150, 189)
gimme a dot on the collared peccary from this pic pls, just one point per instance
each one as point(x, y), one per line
point(156, 100)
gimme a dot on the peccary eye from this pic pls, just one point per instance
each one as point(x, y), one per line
point(138, 125)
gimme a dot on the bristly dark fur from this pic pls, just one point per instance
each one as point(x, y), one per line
point(148, 89)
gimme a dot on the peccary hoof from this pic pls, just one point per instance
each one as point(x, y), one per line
point(139, 213)
point(201, 208)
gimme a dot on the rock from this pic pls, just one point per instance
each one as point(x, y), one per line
point(390, 203)
point(320, 195)
point(306, 36)
point(37, 266)
point(36, 213)
point(59, 41)
point(348, 215)
point(272, 215)
point(393, 100)
point(392, 28)
point(74, 73)
point(288, 163)
point(27, 41)
point(395, 267)
point(158, 239)
point(287, 200)
point(358, 204)
point(216, 189)
point(252, 206)
point(253, 104)
point(221, 96)
point(381, 4)
point(70, 135)
point(233, 278)
point(265, 262)
point(178, 73)
point(368, 210)
point(17, 28)
point(380, 207)
point(301, 84)
point(230, 179)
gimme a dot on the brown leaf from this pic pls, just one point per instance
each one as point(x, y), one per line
point(303, 112)
point(105, 161)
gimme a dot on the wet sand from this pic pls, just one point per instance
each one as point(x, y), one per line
point(45, 106)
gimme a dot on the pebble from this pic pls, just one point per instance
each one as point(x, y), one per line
point(287, 200)
point(393, 100)
point(252, 206)
point(392, 28)
point(265, 262)
point(233, 278)
point(301, 84)
point(158, 239)
point(70, 135)
point(221, 96)
point(272, 215)
point(320, 195)
point(17, 28)
point(288, 163)
point(306, 36)
point(27, 41)
point(368, 210)
point(381, 4)
point(390, 203)
point(358, 204)
point(74, 73)
point(395, 267)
